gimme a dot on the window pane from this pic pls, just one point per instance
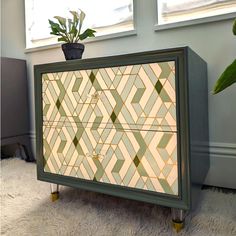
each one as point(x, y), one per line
point(170, 11)
point(106, 16)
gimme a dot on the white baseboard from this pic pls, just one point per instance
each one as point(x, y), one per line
point(222, 172)
point(223, 149)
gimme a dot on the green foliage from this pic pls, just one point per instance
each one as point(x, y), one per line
point(69, 30)
point(228, 77)
point(234, 27)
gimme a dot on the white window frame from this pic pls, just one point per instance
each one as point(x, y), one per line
point(159, 27)
point(90, 40)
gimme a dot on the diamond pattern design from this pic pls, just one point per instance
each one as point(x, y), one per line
point(114, 125)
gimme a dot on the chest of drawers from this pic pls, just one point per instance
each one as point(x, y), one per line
point(134, 126)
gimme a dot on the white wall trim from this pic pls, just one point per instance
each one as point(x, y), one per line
point(203, 20)
point(222, 165)
point(86, 41)
point(225, 150)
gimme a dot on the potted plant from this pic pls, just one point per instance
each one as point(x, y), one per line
point(69, 31)
point(228, 77)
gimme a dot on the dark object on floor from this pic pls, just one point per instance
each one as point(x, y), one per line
point(15, 122)
point(220, 189)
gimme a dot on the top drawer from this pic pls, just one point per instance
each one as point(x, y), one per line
point(128, 97)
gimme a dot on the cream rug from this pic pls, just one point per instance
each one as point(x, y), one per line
point(26, 209)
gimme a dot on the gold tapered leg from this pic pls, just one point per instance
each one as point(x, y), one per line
point(54, 192)
point(178, 216)
point(178, 226)
point(54, 196)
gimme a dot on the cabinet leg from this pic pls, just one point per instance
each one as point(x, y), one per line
point(54, 192)
point(178, 217)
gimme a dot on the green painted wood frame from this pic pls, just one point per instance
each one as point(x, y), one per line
point(179, 55)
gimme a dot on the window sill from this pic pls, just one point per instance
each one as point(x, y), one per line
point(195, 21)
point(90, 40)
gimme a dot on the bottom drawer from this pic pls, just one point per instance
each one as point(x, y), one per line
point(144, 160)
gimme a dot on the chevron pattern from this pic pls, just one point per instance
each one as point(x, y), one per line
point(113, 125)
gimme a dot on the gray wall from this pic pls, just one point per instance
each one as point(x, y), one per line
point(12, 29)
point(214, 42)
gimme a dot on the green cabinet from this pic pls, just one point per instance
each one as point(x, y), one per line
point(134, 126)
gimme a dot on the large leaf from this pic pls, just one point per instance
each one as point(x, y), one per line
point(69, 25)
point(57, 34)
point(81, 20)
point(63, 39)
point(61, 20)
point(227, 78)
point(75, 14)
point(87, 33)
point(234, 27)
point(56, 27)
point(73, 32)
point(75, 18)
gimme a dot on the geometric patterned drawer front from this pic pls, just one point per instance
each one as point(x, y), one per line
point(114, 125)
point(128, 97)
point(138, 159)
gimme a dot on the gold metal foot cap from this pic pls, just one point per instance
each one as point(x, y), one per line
point(54, 196)
point(178, 226)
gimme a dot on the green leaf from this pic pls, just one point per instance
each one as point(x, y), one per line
point(63, 39)
point(73, 33)
point(87, 33)
point(69, 24)
point(227, 78)
point(75, 18)
point(75, 14)
point(81, 20)
point(82, 16)
point(56, 27)
point(234, 27)
point(54, 33)
point(61, 20)
point(73, 30)
point(53, 25)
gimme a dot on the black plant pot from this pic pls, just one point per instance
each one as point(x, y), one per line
point(72, 50)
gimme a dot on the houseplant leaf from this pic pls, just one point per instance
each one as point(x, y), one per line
point(69, 24)
point(73, 32)
point(55, 27)
point(87, 33)
point(61, 20)
point(81, 20)
point(63, 39)
point(75, 18)
point(234, 27)
point(227, 78)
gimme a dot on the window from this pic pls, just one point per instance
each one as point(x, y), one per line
point(105, 16)
point(172, 11)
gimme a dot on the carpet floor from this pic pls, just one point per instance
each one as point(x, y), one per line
point(26, 209)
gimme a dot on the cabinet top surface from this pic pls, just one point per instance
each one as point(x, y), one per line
point(121, 59)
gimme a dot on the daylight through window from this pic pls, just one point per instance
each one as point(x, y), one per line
point(172, 11)
point(106, 16)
